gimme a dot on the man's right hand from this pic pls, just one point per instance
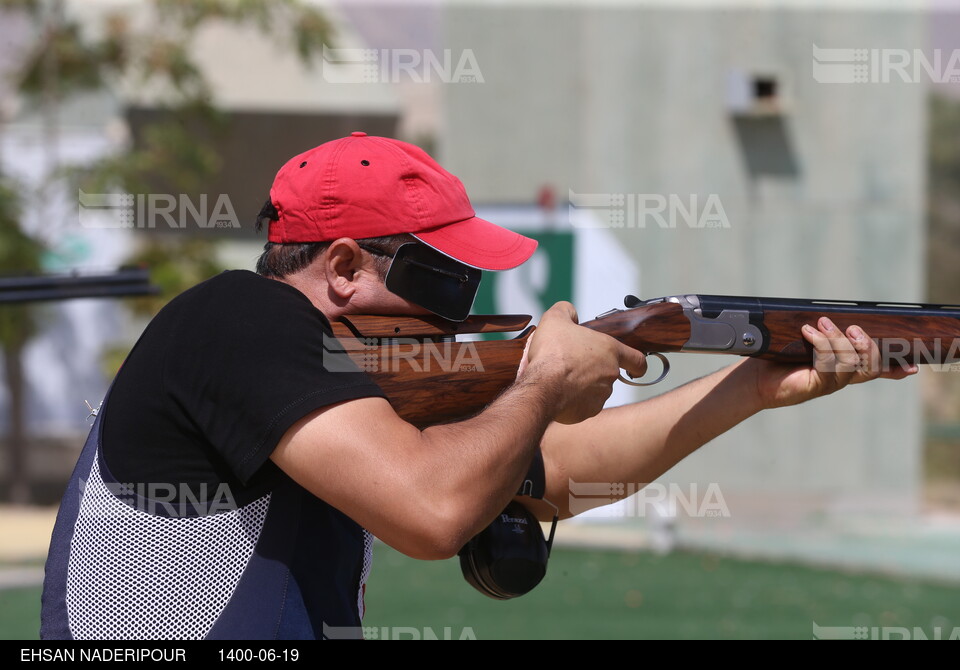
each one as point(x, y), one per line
point(426, 493)
point(582, 363)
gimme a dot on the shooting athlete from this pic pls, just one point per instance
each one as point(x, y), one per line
point(233, 480)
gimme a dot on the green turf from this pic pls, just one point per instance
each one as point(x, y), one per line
point(637, 596)
point(20, 614)
point(603, 595)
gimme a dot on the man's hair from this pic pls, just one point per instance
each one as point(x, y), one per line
point(281, 260)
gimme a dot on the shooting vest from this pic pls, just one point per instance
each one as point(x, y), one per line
point(124, 566)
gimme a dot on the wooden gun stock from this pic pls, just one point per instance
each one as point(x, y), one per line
point(430, 378)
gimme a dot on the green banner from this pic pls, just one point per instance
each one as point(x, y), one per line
point(540, 282)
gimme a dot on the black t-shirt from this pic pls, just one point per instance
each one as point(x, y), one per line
point(213, 383)
point(217, 378)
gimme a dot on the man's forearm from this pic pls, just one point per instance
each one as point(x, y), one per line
point(425, 493)
point(493, 449)
point(639, 442)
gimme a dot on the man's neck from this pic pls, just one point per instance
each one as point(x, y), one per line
point(315, 290)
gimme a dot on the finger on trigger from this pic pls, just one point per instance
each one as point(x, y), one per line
point(631, 360)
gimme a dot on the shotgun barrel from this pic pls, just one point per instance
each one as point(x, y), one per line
point(36, 288)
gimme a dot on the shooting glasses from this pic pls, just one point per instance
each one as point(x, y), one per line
point(430, 279)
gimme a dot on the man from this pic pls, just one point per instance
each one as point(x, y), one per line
point(232, 483)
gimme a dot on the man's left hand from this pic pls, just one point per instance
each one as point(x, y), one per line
point(840, 358)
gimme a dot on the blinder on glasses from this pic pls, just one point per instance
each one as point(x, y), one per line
point(430, 279)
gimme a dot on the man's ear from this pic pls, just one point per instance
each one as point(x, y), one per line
point(341, 263)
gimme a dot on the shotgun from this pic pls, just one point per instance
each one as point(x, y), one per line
point(431, 378)
point(39, 288)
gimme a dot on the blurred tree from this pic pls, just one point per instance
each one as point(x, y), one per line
point(943, 278)
point(942, 391)
point(68, 58)
point(156, 56)
point(943, 250)
point(21, 254)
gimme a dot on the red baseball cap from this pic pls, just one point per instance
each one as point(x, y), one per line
point(362, 186)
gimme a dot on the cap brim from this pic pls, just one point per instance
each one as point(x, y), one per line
point(480, 244)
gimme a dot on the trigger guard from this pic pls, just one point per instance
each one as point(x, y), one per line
point(663, 375)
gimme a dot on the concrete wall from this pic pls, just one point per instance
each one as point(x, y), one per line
point(823, 199)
